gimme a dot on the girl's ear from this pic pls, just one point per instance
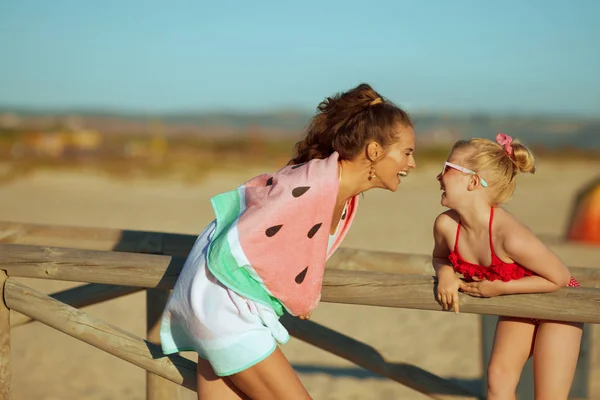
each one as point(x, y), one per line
point(474, 182)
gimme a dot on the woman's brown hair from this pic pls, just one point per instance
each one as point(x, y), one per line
point(347, 121)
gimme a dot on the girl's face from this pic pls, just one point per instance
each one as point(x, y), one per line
point(454, 179)
point(396, 161)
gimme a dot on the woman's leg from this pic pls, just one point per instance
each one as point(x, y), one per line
point(271, 379)
point(213, 387)
point(555, 358)
point(513, 344)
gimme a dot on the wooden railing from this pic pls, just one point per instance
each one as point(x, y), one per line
point(116, 263)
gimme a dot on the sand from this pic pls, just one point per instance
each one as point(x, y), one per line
point(49, 365)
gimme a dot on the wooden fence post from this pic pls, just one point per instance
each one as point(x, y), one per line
point(4, 342)
point(157, 388)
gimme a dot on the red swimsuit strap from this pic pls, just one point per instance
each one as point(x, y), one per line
point(456, 239)
point(491, 241)
point(490, 229)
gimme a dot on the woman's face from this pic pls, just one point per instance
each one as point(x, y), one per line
point(397, 160)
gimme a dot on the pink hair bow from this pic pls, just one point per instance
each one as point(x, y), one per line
point(505, 141)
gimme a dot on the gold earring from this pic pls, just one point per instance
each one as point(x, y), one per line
point(372, 172)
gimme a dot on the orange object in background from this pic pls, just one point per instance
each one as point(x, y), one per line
point(585, 220)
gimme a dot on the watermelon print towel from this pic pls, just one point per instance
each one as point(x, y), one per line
point(270, 243)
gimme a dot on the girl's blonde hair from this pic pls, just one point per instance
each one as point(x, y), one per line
point(497, 164)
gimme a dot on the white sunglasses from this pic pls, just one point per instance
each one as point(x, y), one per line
point(462, 169)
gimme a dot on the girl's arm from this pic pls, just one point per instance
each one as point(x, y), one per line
point(448, 282)
point(522, 246)
point(441, 250)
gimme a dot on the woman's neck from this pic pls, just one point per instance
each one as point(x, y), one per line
point(353, 180)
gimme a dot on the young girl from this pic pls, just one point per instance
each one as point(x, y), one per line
point(498, 255)
point(266, 250)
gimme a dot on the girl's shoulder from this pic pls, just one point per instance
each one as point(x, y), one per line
point(447, 221)
point(447, 218)
point(508, 229)
point(505, 221)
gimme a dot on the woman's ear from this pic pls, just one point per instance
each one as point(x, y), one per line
point(373, 151)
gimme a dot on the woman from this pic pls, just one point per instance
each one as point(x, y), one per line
point(266, 250)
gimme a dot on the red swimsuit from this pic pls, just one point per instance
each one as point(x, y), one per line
point(497, 270)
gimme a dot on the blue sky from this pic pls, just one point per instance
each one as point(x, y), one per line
point(539, 56)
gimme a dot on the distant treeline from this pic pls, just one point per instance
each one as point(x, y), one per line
point(187, 158)
point(548, 131)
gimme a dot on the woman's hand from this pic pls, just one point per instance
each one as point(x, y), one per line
point(484, 288)
point(447, 292)
point(305, 316)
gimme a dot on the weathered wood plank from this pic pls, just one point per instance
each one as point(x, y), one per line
point(174, 244)
point(59, 235)
point(339, 286)
point(419, 264)
point(91, 238)
point(367, 357)
point(81, 296)
point(5, 357)
point(94, 266)
point(100, 334)
point(417, 292)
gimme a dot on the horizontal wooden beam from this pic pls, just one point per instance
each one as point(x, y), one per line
point(93, 266)
point(81, 296)
point(339, 286)
point(367, 357)
point(91, 238)
point(100, 334)
point(417, 292)
point(179, 245)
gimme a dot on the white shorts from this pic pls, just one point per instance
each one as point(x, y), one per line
point(230, 331)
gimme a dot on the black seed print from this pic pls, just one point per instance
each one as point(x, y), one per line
point(344, 215)
point(300, 190)
point(270, 181)
point(273, 230)
point(298, 165)
point(300, 277)
point(314, 230)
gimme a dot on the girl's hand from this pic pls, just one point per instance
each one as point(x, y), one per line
point(447, 292)
point(484, 288)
